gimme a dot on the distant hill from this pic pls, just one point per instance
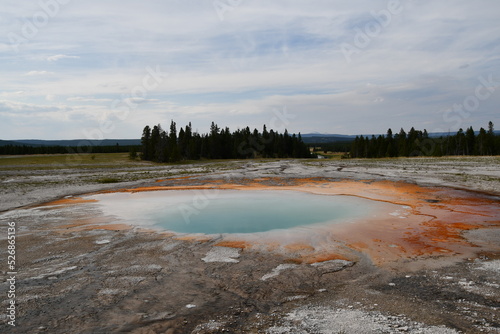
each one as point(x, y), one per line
point(308, 138)
point(73, 142)
point(8, 142)
point(319, 138)
point(446, 134)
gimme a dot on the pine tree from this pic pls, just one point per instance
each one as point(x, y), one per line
point(155, 143)
point(182, 143)
point(146, 143)
point(402, 144)
point(391, 147)
point(470, 139)
point(460, 142)
point(172, 144)
point(161, 146)
point(491, 149)
point(481, 142)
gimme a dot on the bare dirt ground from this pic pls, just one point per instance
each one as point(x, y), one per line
point(126, 280)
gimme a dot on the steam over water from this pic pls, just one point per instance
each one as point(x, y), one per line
point(214, 211)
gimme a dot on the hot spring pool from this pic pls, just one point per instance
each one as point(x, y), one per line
point(215, 211)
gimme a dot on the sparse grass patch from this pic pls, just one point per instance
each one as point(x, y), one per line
point(108, 180)
point(67, 161)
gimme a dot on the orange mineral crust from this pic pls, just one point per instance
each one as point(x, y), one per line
point(69, 201)
point(414, 222)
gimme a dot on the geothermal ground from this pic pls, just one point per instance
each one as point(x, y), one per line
point(431, 264)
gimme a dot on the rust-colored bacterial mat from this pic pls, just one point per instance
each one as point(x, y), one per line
point(390, 222)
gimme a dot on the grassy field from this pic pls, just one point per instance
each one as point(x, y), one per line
point(107, 163)
point(113, 160)
point(55, 161)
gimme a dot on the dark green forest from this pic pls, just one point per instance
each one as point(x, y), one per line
point(418, 143)
point(172, 146)
point(13, 149)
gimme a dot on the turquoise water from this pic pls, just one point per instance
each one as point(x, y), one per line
point(231, 211)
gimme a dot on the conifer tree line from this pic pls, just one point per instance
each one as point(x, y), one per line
point(57, 149)
point(418, 143)
point(162, 146)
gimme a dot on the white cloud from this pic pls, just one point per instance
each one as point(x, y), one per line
point(263, 55)
point(88, 99)
point(14, 107)
point(13, 94)
point(36, 73)
point(59, 57)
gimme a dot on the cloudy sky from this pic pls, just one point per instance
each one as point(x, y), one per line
point(104, 69)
